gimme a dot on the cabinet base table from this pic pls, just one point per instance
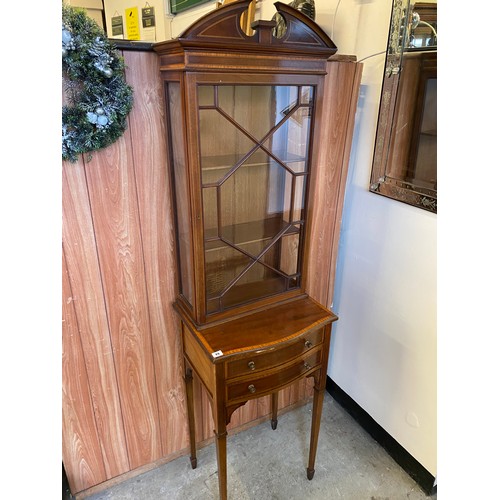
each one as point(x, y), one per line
point(252, 356)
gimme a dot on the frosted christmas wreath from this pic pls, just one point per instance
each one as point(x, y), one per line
point(99, 100)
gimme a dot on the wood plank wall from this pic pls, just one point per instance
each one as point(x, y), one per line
point(123, 393)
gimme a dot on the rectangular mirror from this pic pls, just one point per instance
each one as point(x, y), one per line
point(405, 157)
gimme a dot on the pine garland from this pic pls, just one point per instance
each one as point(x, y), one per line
point(94, 78)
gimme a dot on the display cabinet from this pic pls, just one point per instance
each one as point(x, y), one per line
point(241, 113)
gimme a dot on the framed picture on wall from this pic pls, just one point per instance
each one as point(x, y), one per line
point(177, 6)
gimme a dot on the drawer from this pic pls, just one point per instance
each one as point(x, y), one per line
point(266, 360)
point(256, 386)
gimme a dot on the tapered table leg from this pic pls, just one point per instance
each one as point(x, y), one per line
point(274, 410)
point(316, 421)
point(220, 441)
point(221, 420)
point(188, 379)
point(319, 393)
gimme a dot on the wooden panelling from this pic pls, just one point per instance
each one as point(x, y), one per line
point(147, 128)
point(80, 438)
point(123, 392)
point(88, 300)
point(113, 196)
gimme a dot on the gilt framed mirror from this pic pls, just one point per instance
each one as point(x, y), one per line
point(405, 156)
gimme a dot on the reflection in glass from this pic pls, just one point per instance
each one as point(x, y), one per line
point(291, 140)
point(206, 95)
point(424, 171)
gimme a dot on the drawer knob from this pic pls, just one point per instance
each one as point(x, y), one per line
point(307, 366)
point(251, 365)
point(251, 388)
point(308, 344)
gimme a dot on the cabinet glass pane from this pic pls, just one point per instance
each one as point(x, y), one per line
point(249, 105)
point(290, 142)
point(182, 209)
point(254, 146)
point(221, 145)
point(254, 197)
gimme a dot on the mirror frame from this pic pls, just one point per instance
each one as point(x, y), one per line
point(380, 182)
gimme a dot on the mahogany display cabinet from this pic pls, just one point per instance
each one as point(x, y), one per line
point(241, 116)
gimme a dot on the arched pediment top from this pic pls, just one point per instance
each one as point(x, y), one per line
point(301, 29)
point(222, 22)
point(222, 27)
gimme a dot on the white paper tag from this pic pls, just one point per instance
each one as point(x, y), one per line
point(217, 354)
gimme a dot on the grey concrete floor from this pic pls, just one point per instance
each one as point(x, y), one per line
point(271, 465)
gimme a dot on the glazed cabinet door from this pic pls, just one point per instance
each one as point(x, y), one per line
point(250, 159)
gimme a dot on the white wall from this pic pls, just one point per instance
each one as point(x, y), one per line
point(384, 344)
point(159, 33)
point(179, 22)
point(167, 26)
point(93, 8)
point(384, 351)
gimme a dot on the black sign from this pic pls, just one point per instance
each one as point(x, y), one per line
point(148, 17)
point(117, 25)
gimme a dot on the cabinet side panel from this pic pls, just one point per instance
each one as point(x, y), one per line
point(333, 136)
point(147, 128)
point(181, 191)
point(88, 300)
point(81, 451)
point(354, 95)
point(115, 215)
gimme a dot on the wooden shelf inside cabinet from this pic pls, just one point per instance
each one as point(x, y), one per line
point(258, 158)
point(249, 232)
point(236, 248)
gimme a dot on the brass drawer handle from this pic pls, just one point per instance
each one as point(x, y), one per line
point(251, 365)
point(251, 388)
point(308, 344)
point(307, 366)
